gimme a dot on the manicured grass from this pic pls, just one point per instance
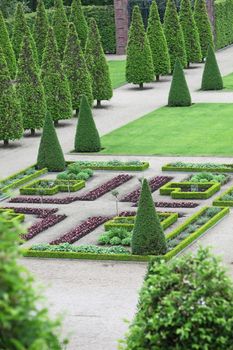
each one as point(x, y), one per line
point(117, 72)
point(228, 81)
point(202, 129)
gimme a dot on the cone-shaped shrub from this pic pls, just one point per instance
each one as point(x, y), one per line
point(30, 89)
point(79, 20)
point(148, 236)
point(76, 70)
point(56, 86)
point(87, 137)
point(6, 47)
point(60, 25)
point(97, 65)
point(158, 43)
point(211, 78)
point(174, 35)
point(11, 123)
point(139, 63)
point(179, 95)
point(203, 26)
point(50, 154)
point(40, 29)
point(190, 32)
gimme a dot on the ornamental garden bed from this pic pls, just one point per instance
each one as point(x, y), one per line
point(9, 216)
point(190, 190)
point(176, 204)
point(51, 187)
point(197, 167)
point(206, 177)
point(134, 165)
point(225, 199)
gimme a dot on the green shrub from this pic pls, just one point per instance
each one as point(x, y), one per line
point(60, 25)
point(79, 20)
point(211, 78)
point(179, 95)
point(209, 177)
point(116, 236)
point(6, 46)
point(40, 31)
point(223, 23)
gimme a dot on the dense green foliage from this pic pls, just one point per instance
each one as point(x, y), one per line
point(209, 177)
point(190, 32)
point(60, 25)
point(6, 46)
point(7, 7)
point(158, 43)
point(50, 154)
point(40, 29)
point(97, 65)
point(186, 304)
point(30, 89)
point(203, 26)
point(139, 63)
point(79, 20)
point(87, 137)
point(76, 70)
point(57, 92)
point(11, 123)
point(174, 35)
point(211, 78)
point(223, 10)
point(179, 92)
point(148, 236)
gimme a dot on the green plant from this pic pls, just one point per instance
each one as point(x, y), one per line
point(211, 78)
point(223, 28)
point(179, 95)
point(190, 190)
point(209, 177)
point(41, 27)
point(139, 62)
point(116, 236)
point(6, 46)
point(60, 25)
point(79, 20)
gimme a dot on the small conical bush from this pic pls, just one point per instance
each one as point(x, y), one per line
point(179, 95)
point(211, 78)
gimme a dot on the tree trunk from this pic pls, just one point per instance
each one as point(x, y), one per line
point(33, 132)
point(6, 142)
point(157, 77)
point(141, 86)
point(98, 103)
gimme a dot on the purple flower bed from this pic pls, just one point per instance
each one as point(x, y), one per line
point(127, 213)
point(39, 212)
point(81, 230)
point(155, 183)
point(174, 204)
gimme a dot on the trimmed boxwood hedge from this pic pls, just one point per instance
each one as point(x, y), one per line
point(224, 203)
point(178, 193)
point(170, 167)
point(143, 166)
point(223, 10)
point(13, 217)
point(58, 186)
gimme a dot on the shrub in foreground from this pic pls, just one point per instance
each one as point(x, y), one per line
point(179, 95)
point(211, 78)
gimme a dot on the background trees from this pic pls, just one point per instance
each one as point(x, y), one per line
point(60, 25)
point(6, 46)
point(40, 29)
point(79, 20)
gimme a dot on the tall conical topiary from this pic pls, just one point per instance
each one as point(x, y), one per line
point(174, 35)
point(76, 70)
point(40, 29)
point(190, 32)
point(97, 65)
point(11, 123)
point(211, 78)
point(179, 95)
point(57, 92)
point(203, 25)
point(139, 63)
point(60, 25)
point(148, 236)
point(30, 89)
point(158, 43)
point(79, 20)
point(87, 137)
point(6, 46)
point(50, 154)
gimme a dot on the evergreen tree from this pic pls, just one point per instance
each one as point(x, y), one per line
point(30, 89)
point(139, 63)
point(11, 123)
point(97, 65)
point(179, 95)
point(7, 49)
point(60, 25)
point(174, 35)
point(203, 26)
point(50, 154)
point(57, 92)
point(211, 78)
point(190, 32)
point(76, 70)
point(87, 137)
point(79, 20)
point(148, 236)
point(158, 43)
point(40, 29)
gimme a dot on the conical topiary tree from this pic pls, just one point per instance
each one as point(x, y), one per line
point(158, 43)
point(139, 63)
point(179, 95)
point(148, 236)
point(11, 123)
point(6, 46)
point(40, 29)
point(87, 137)
point(30, 89)
point(174, 35)
point(79, 20)
point(57, 92)
point(97, 65)
point(50, 154)
point(60, 25)
point(76, 70)
point(211, 78)
point(203, 25)
point(190, 32)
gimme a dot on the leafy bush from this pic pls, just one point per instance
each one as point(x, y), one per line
point(116, 236)
point(75, 172)
point(199, 165)
point(209, 177)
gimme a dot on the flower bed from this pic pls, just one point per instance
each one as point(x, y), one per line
point(193, 167)
point(173, 204)
point(51, 187)
point(226, 199)
point(114, 165)
point(155, 183)
point(189, 190)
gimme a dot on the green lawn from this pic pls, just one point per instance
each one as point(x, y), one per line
point(203, 129)
point(117, 72)
point(228, 81)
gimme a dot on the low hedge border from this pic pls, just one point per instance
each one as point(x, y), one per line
point(223, 203)
point(169, 167)
point(59, 186)
point(14, 217)
point(177, 193)
point(143, 166)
